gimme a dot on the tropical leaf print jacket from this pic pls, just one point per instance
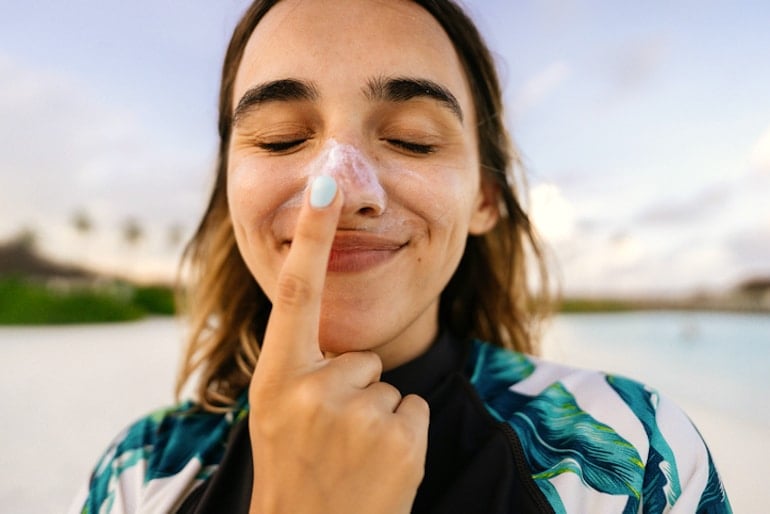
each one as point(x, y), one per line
point(508, 433)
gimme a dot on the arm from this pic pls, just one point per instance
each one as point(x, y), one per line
point(697, 486)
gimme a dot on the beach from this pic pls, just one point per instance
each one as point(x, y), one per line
point(69, 390)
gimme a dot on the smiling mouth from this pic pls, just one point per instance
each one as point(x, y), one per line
point(353, 253)
point(354, 260)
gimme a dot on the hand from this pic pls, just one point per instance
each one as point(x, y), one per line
point(327, 436)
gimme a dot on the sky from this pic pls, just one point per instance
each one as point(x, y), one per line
point(644, 130)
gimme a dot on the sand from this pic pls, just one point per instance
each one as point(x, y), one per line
point(68, 390)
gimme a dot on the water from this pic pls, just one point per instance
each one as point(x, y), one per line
point(713, 365)
point(713, 360)
point(66, 391)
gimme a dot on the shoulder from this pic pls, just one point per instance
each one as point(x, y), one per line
point(168, 451)
point(617, 441)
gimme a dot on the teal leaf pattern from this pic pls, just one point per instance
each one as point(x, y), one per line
point(165, 441)
point(184, 436)
point(562, 438)
point(495, 370)
point(714, 500)
point(559, 437)
point(632, 505)
point(552, 496)
point(661, 483)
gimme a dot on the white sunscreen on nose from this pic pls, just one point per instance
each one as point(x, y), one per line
point(356, 176)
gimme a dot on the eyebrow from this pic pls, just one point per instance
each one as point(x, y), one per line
point(283, 90)
point(403, 89)
point(398, 89)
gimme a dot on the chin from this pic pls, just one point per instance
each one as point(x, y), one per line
point(336, 337)
point(353, 322)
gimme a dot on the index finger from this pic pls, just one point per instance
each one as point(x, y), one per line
point(291, 336)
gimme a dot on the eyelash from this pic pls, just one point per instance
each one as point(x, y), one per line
point(416, 148)
point(285, 146)
point(281, 146)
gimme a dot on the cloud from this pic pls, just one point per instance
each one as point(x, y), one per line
point(694, 209)
point(552, 214)
point(759, 159)
point(63, 149)
point(630, 264)
point(632, 65)
point(750, 249)
point(627, 250)
point(535, 90)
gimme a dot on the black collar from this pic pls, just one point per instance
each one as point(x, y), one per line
point(425, 373)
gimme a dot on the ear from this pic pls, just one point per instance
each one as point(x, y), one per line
point(486, 210)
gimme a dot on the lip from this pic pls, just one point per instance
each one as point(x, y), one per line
point(356, 252)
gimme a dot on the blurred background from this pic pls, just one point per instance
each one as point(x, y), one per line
point(644, 129)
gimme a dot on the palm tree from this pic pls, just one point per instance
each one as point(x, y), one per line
point(175, 236)
point(82, 222)
point(27, 239)
point(84, 226)
point(133, 233)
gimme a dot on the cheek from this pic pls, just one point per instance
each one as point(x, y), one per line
point(256, 193)
point(442, 196)
point(260, 197)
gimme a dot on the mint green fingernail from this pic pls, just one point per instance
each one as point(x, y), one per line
point(322, 191)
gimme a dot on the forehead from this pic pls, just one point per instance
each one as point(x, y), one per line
point(351, 39)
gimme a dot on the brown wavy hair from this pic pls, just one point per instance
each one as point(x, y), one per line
point(489, 297)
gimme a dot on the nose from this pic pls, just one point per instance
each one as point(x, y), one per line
point(358, 179)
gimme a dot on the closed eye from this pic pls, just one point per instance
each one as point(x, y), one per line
point(416, 148)
point(281, 146)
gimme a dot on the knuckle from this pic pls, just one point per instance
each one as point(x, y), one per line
point(375, 361)
point(362, 359)
point(306, 395)
point(267, 419)
point(365, 420)
point(293, 290)
point(311, 403)
point(403, 445)
point(268, 425)
point(421, 407)
point(365, 414)
point(413, 454)
point(391, 392)
point(401, 438)
point(278, 411)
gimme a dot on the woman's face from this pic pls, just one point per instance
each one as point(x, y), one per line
point(372, 93)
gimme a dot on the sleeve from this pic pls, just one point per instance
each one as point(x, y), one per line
point(688, 475)
point(679, 473)
point(154, 464)
point(115, 484)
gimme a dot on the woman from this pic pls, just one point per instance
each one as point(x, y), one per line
point(363, 238)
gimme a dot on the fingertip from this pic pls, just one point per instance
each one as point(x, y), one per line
point(323, 190)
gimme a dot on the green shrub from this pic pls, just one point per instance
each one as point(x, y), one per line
point(587, 305)
point(28, 302)
point(155, 299)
